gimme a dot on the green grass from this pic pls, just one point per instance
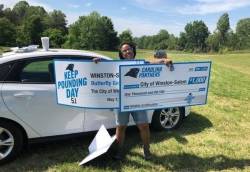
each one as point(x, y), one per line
point(3, 49)
point(215, 137)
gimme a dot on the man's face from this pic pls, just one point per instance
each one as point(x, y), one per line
point(127, 52)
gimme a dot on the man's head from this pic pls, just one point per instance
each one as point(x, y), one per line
point(127, 51)
point(159, 54)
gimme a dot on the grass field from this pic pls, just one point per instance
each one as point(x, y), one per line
point(215, 137)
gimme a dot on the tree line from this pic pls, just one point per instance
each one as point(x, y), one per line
point(26, 24)
point(197, 38)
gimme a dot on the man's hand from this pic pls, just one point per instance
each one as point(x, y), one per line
point(167, 62)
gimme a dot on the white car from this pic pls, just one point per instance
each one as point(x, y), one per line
point(29, 110)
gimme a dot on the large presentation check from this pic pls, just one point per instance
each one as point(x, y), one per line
point(87, 84)
point(147, 86)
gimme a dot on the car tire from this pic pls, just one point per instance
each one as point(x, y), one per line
point(167, 119)
point(11, 141)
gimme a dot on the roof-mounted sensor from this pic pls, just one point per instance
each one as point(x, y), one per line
point(30, 48)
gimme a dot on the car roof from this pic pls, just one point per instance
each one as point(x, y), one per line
point(10, 56)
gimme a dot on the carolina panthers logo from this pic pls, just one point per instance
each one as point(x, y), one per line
point(70, 67)
point(133, 72)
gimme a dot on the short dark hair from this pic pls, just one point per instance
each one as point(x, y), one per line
point(131, 45)
point(160, 54)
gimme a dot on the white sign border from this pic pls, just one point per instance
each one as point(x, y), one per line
point(89, 61)
point(176, 63)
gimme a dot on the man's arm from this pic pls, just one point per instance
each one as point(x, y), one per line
point(165, 61)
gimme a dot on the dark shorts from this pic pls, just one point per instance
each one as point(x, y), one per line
point(122, 118)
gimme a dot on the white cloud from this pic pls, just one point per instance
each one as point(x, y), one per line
point(123, 8)
point(8, 3)
point(11, 3)
point(151, 5)
point(73, 5)
point(200, 7)
point(213, 6)
point(88, 4)
point(72, 17)
point(148, 2)
point(140, 27)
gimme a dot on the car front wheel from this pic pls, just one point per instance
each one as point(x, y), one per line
point(167, 119)
point(11, 141)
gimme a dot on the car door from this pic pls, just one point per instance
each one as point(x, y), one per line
point(94, 118)
point(29, 92)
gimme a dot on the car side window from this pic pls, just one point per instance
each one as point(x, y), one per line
point(4, 70)
point(39, 70)
point(36, 72)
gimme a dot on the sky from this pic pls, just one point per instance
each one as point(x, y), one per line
point(147, 17)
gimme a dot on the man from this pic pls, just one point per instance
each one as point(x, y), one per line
point(127, 51)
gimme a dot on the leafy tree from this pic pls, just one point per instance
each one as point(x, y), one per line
point(172, 42)
point(1, 10)
point(147, 42)
point(31, 31)
point(20, 10)
point(182, 41)
point(57, 20)
point(213, 42)
point(111, 38)
point(91, 35)
point(36, 10)
point(126, 36)
point(34, 26)
point(223, 27)
point(91, 32)
point(243, 33)
point(232, 41)
point(151, 42)
point(196, 35)
point(56, 36)
point(144, 42)
point(9, 15)
point(7, 32)
point(160, 40)
point(139, 41)
point(73, 40)
point(23, 37)
point(29, 22)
